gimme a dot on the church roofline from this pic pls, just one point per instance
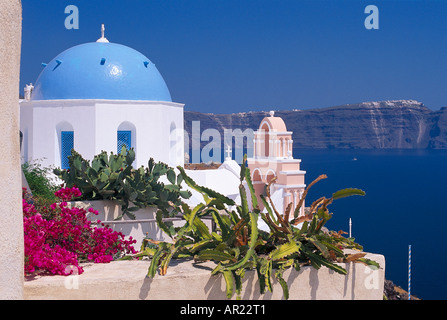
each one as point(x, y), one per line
point(61, 102)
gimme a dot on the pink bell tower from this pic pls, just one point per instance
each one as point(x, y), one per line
point(272, 157)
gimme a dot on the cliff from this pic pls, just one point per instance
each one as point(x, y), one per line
point(399, 124)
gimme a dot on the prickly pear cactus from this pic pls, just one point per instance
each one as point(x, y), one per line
point(112, 177)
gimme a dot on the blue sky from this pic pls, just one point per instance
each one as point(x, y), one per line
point(225, 56)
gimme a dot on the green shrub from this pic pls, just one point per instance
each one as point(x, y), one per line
point(40, 184)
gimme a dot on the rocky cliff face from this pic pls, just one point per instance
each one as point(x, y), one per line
point(369, 125)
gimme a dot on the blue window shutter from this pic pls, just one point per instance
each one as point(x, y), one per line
point(67, 144)
point(124, 139)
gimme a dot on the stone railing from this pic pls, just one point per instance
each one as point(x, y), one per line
point(188, 280)
point(121, 280)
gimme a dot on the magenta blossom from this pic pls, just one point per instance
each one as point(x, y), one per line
point(57, 245)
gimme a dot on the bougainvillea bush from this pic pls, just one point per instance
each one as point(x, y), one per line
point(59, 237)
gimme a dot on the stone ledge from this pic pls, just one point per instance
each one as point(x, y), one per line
point(185, 280)
point(144, 225)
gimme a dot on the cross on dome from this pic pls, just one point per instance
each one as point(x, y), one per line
point(103, 38)
point(228, 152)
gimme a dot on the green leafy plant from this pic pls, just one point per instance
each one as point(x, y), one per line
point(238, 245)
point(112, 177)
point(40, 183)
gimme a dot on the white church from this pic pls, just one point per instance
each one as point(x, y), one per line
point(98, 96)
point(101, 95)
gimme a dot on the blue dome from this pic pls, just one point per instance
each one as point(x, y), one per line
point(99, 70)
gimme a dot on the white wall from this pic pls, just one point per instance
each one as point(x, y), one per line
point(48, 119)
point(152, 121)
point(95, 124)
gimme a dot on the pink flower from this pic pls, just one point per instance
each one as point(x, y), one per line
point(56, 245)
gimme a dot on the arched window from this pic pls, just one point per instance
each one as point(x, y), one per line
point(270, 175)
point(64, 143)
point(67, 144)
point(257, 175)
point(125, 136)
point(265, 130)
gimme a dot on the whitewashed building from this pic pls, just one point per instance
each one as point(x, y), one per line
point(100, 96)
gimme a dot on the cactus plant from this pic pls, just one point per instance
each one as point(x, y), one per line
point(237, 244)
point(112, 177)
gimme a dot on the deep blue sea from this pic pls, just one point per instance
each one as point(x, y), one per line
point(405, 204)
